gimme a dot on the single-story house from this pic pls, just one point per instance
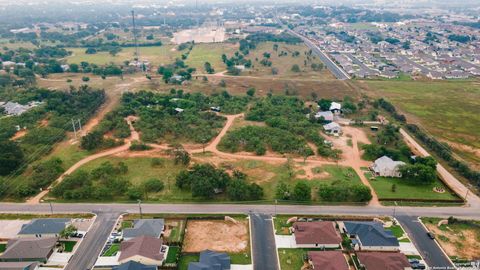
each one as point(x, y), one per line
point(145, 227)
point(387, 167)
point(44, 227)
point(18, 265)
point(327, 260)
point(333, 128)
point(321, 234)
point(371, 236)
point(29, 249)
point(383, 260)
point(132, 265)
point(211, 260)
point(144, 249)
point(327, 116)
point(335, 107)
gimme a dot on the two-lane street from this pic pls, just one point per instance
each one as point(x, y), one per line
point(263, 242)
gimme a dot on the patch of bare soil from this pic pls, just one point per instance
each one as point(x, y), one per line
point(19, 134)
point(465, 148)
point(463, 244)
point(217, 235)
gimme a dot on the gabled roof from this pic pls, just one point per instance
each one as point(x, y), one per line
point(145, 246)
point(45, 226)
point(327, 115)
point(383, 260)
point(371, 234)
point(331, 126)
point(29, 248)
point(211, 260)
point(386, 164)
point(148, 227)
point(132, 265)
point(319, 232)
point(335, 106)
point(328, 260)
point(18, 265)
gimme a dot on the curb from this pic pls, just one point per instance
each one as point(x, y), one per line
point(438, 244)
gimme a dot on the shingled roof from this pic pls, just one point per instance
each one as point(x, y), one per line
point(132, 265)
point(383, 260)
point(18, 265)
point(148, 227)
point(371, 234)
point(45, 226)
point(211, 260)
point(145, 246)
point(328, 260)
point(28, 248)
point(319, 232)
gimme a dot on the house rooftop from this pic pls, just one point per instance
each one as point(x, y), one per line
point(383, 260)
point(148, 227)
point(211, 260)
point(328, 260)
point(28, 248)
point(44, 226)
point(18, 265)
point(145, 246)
point(371, 233)
point(133, 265)
point(319, 232)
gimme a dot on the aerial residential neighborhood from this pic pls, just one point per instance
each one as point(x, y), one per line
point(239, 135)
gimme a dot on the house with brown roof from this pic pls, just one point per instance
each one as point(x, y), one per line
point(318, 234)
point(147, 250)
point(383, 261)
point(327, 260)
point(18, 265)
point(29, 249)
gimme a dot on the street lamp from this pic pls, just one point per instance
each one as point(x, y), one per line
point(140, 208)
point(51, 207)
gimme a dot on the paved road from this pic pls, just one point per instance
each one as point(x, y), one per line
point(263, 243)
point(337, 71)
point(91, 246)
point(428, 248)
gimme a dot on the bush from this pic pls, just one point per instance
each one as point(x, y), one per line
point(343, 191)
point(153, 185)
point(302, 192)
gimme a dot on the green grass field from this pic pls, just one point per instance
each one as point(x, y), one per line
point(157, 55)
point(291, 259)
point(209, 52)
point(172, 254)
point(3, 247)
point(398, 232)
point(186, 259)
point(112, 251)
point(449, 110)
point(69, 245)
point(406, 190)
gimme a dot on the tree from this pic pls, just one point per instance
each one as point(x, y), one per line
point(92, 140)
point(85, 79)
point(302, 192)
point(208, 68)
point(91, 51)
point(68, 231)
point(134, 193)
point(418, 173)
point(324, 104)
point(11, 157)
point(282, 191)
point(394, 188)
point(295, 68)
point(74, 68)
point(251, 92)
point(153, 185)
point(181, 156)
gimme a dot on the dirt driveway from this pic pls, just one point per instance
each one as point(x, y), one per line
point(217, 235)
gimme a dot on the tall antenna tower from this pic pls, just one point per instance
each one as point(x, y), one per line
point(137, 54)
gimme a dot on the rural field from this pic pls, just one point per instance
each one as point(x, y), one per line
point(210, 52)
point(449, 110)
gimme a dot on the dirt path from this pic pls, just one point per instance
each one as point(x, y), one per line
point(449, 179)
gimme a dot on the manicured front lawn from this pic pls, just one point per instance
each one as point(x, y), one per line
point(112, 251)
point(281, 226)
point(186, 259)
point(398, 232)
point(68, 245)
point(291, 259)
point(172, 254)
point(240, 258)
point(3, 247)
point(406, 190)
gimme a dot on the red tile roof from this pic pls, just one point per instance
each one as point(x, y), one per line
point(328, 260)
point(383, 260)
point(145, 246)
point(319, 232)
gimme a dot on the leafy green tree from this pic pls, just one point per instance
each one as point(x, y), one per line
point(153, 185)
point(418, 173)
point(295, 68)
point(324, 104)
point(302, 192)
point(11, 157)
point(134, 193)
point(69, 230)
point(282, 191)
point(251, 92)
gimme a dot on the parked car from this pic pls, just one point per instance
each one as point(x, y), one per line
point(413, 261)
point(431, 235)
point(418, 266)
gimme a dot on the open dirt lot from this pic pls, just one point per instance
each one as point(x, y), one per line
point(463, 244)
point(217, 235)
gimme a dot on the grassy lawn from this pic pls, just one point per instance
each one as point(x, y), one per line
point(112, 251)
point(186, 259)
point(3, 247)
point(177, 229)
point(210, 52)
point(157, 55)
point(281, 226)
point(172, 254)
point(337, 173)
point(398, 232)
point(127, 224)
point(291, 259)
point(435, 105)
point(406, 190)
point(68, 245)
point(240, 258)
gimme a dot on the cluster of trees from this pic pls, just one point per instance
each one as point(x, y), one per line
point(444, 152)
point(206, 181)
point(387, 106)
point(422, 171)
point(344, 191)
point(59, 106)
point(103, 183)
point(237, 59)
point(387, 142)
point(460, 38)
point(177, 72)
point(300, 192)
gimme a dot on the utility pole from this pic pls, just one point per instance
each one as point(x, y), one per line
point(79, 125)
point(51, 208)
point(74, 128)
point(140, 208)
point(137, 55)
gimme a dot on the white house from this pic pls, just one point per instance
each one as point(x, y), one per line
point(333, 128)
point(335, 107)
point(386, 166)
